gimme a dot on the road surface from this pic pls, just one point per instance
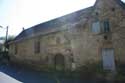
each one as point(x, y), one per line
point(12, 74)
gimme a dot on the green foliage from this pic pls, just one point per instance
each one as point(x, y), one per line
point(2, 38)
point(9, 38)
point(91, 70)
point(95, 71)
point(120, 76)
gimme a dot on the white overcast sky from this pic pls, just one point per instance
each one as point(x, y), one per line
point(26, 13)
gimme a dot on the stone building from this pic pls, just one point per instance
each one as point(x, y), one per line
point(94, 34)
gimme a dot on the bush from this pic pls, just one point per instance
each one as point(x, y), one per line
point(120, 76)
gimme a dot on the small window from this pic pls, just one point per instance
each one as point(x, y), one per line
point(113, 9)
point(37, 47)
point(105, 37)
point(72, 59)
point(58, 40)
point(16, 49)
point(106, 26)
point(96, 27)
point(97, 13)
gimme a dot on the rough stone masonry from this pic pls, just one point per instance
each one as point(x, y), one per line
point(94, 34)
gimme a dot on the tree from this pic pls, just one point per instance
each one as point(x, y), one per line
point(10, 38)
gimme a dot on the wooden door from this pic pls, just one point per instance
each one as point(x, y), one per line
point(108, 59)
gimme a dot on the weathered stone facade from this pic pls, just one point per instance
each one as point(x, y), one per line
point(72, 37)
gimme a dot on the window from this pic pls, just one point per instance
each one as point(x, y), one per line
point(105, 37)
point(106, 26)
point(37, 47)
point(96, 27)
point(97, 13)
point(16, 49)
point(113, 9)
point(58, 40)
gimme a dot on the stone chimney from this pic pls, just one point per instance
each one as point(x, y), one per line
point(23, 28)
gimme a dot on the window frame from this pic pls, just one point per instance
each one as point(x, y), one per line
point(95, 23)
point(106, 26)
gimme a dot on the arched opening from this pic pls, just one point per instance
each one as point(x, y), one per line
point(59, 62)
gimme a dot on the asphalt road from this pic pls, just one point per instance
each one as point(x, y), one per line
point(12, 74)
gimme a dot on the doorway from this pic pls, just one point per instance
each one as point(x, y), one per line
point(108, 59)
point(59, 62)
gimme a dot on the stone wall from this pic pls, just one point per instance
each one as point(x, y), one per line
point(87, 46)
point(77, 43)
point(50, 45)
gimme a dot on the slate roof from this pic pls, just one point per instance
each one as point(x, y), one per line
point(56, 23)
point(122, 4)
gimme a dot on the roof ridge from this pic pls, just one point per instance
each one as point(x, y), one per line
point(46, 25)
point(60, 17)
